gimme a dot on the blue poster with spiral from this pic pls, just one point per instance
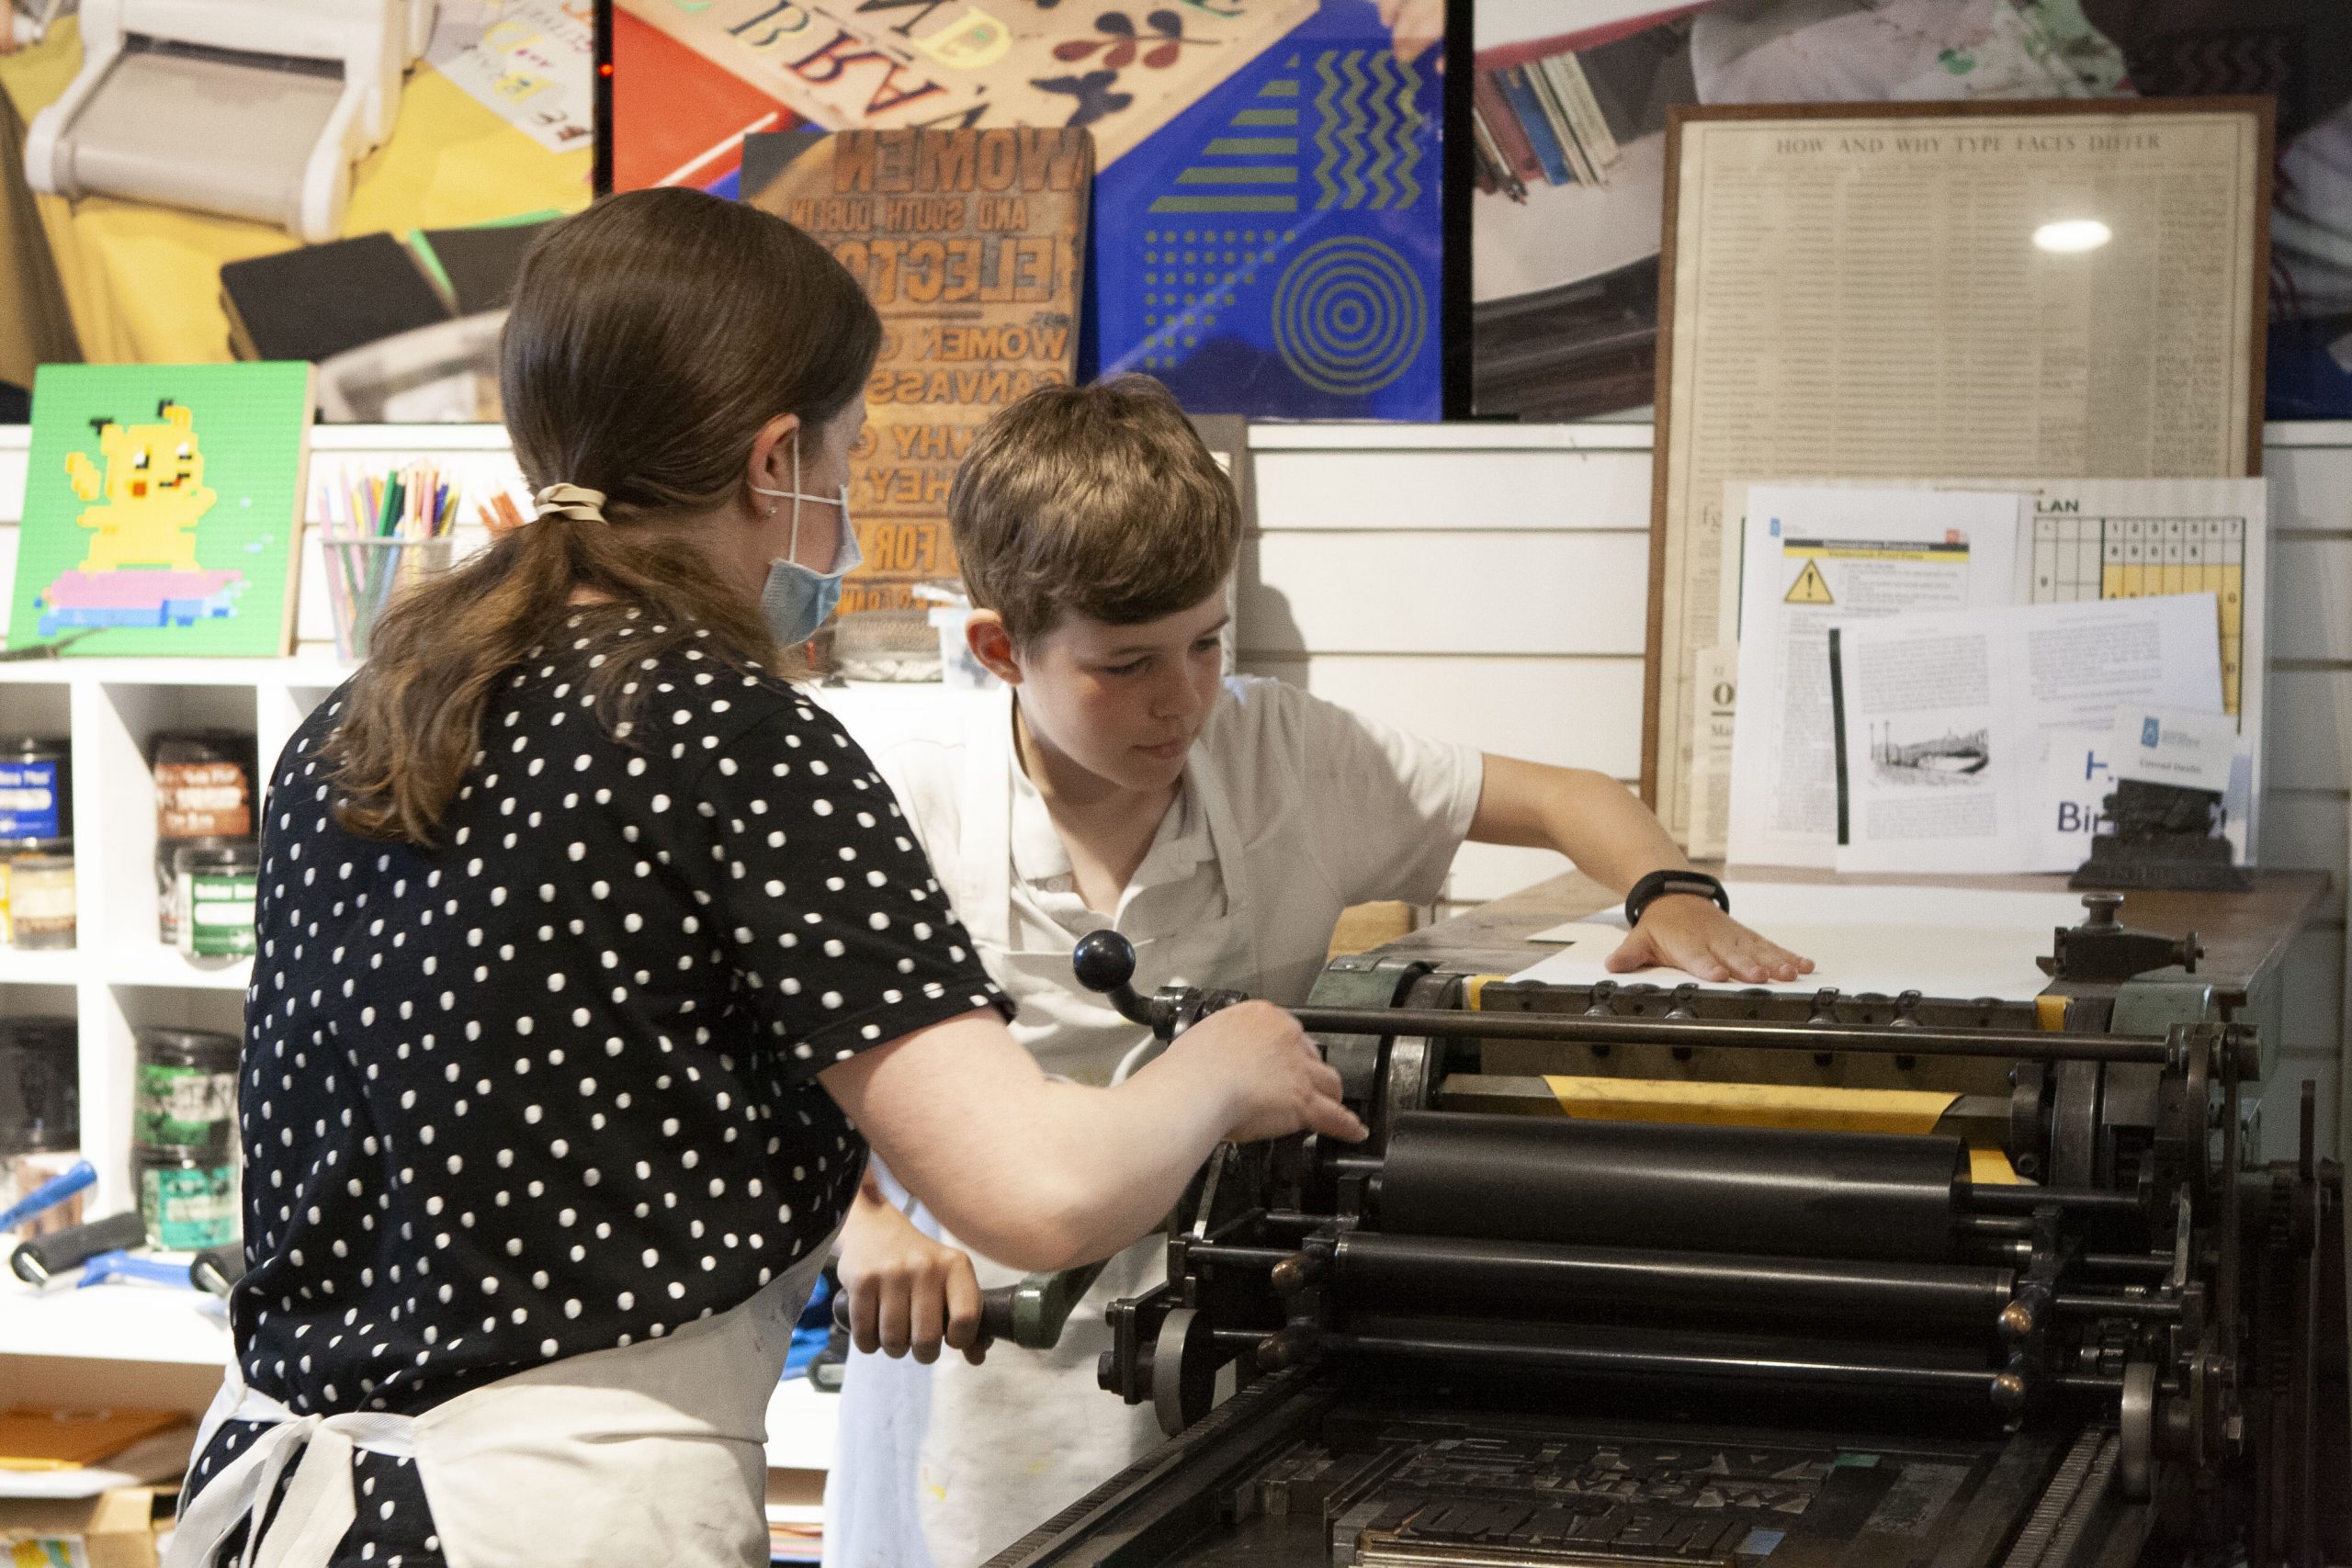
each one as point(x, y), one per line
point(1274, 250)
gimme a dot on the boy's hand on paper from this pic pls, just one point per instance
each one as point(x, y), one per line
point(1681, 930)
point(907, 1293)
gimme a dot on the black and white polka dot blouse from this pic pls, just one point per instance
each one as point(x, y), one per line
point(549, 1088)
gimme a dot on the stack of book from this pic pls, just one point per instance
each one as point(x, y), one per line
point(1564, 118)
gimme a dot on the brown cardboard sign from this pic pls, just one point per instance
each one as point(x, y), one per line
point(971, 244)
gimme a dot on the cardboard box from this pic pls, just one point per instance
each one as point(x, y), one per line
point(114, 1530)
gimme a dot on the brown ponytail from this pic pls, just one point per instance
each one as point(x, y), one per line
point(651, 337)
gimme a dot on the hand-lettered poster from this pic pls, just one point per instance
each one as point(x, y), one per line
point(1269, 202)
point(970, 244)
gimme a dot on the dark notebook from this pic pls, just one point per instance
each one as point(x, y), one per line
point(480, 264)
point(316, 301)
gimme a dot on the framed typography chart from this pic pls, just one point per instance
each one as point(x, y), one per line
point(2069, 289)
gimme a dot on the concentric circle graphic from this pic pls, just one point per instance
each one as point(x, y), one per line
point(1350, 315)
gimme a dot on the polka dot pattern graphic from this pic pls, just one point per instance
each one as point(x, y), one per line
point(549, 1087)
point(1350, 315)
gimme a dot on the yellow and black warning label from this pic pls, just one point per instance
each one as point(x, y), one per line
point(1810, 588)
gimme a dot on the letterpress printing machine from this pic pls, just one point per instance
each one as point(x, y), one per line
point(1515, 1327)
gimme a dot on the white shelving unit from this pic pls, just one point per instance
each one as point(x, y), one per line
point(120, 977)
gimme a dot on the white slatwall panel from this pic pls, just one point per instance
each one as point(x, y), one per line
point(1434, 490)
point(2311, 597)
point(2309, 469)
point(2304, 830)
point(2310, 728)
point(1456, 592)
point(1573, 713)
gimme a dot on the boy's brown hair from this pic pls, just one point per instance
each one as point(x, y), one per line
point(1100, 500)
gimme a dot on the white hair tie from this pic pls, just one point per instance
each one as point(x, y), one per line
point(571, 501)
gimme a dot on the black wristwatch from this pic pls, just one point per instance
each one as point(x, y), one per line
point(1658, 883)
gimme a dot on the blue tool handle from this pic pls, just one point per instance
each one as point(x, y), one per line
point(49, 1195)
point(110, 1266)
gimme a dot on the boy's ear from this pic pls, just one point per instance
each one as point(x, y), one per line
point(984, 635)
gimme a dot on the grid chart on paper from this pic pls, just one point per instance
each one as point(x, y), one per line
point(2138, 557)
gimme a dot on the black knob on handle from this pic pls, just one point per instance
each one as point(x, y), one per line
point(1105, 962)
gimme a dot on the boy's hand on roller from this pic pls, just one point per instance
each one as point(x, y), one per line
point(1279, 1082)
point(907, 1293)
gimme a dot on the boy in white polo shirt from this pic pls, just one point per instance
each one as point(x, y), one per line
point(1221, 825)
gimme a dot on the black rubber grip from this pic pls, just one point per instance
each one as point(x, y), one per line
point(996, 1313)
point(44, 1257)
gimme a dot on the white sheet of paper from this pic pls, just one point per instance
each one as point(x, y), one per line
point(1944, 942)
point(1951, 721)
point(531, 62)
point(1817, 556)
point(150, 1459)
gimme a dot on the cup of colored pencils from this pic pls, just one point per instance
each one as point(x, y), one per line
point(380, 535)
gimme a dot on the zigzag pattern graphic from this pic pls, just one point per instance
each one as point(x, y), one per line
point(1408, 141)
point(2254, 60)
point(1365, 130)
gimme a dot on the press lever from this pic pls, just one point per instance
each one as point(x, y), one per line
point(1104, 961)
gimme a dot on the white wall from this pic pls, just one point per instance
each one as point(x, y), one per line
point(1489, 585)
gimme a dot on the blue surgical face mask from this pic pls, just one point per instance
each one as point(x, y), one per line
point(796, 600)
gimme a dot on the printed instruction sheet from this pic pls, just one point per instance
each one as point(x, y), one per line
point(1816, 557)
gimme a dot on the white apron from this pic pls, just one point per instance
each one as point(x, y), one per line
point(651, 1452)
point(986, 1453)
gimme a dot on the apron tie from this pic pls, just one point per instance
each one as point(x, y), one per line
point(319, 1506)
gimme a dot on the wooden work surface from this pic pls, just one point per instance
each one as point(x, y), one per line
point(2244, 935)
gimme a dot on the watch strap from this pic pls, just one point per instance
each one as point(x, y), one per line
point(1658, 884)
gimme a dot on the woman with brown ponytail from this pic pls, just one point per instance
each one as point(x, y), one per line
point(584, 942)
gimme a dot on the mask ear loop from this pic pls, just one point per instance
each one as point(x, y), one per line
point(792, 550)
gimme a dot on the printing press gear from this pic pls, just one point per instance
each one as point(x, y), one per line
point(1564, 1308)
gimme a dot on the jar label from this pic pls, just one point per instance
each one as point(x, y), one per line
point(41, 904)
point(197, 800)
point(219, 914)
point(183, 1104)
point(187, 1211)
point(28, 801)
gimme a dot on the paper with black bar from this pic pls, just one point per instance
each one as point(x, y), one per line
point(1818, 555)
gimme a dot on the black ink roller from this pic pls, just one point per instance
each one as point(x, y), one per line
point(44, 1257)
point(1741, 1189)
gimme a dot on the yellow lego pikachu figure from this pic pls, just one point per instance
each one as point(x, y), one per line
point(155, 492)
